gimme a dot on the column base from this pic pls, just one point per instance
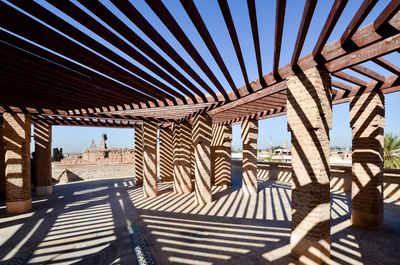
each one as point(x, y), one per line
point(316, 251)
point(366, 220)
point(44, 190)
point(19, 207)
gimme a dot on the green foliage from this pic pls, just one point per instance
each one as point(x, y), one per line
point(392, 151)
point(268, 158)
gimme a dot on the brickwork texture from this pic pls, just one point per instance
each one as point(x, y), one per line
point(221, 154)
point(202, 131)
point(249, 166)
point(16, 136)
point(309, 112)
point(138, 164)
point(367, 118)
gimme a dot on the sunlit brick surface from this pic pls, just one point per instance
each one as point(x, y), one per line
point(367, 120)
point(16, 136)
point(249, 138)
point(2, 163)
point(150, 159)
point(182, 156)
point(202, 130)
point(309, 120)
point(139, 171)
point(42, 137)
point(166, 154)
point(221, 154)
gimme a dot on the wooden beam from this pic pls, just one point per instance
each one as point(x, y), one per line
point(341, 85)
point(382, 62)
point(251, 6)
point(387, 14)
point(368, 72)
point(357, 20)
point(140, 21)
point(350, 78)
point(276, 88)
point(367, 53)
point(330, 23)
point(198, 22)
point(308, 12)
point(165, 16)
point(279, 21)
point(223, 5)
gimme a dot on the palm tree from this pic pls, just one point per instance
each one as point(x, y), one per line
point(392, 151)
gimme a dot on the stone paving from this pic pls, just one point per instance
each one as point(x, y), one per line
point(87, 223)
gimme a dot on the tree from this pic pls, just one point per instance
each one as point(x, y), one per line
point(392, 151)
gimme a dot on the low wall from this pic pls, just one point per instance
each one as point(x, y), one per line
point(340, 177)
point(68, 173)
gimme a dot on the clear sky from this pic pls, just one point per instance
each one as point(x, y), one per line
point(76, 139)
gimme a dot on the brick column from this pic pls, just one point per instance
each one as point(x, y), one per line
point(202, 131)
point(166, 154)
point(249, 164)
point(139, 171)
point(221, 154)
point(309, 111)
point(42, 137)
point(2, 163)
point(16, 136)
point(367, 118)
point(150, 159)
point(182, 178)
point(176, 142)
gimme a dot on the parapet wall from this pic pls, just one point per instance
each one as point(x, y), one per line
point(340, 177)
point(68, 173)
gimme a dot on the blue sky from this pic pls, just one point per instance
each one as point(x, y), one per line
point(75, 139)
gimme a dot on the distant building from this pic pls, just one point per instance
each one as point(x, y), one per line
point(57, 154)
point(102, 154)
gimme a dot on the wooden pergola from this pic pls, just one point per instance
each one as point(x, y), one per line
point(81, 64)
point(53, 70)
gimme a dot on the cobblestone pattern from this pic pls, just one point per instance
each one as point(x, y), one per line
point(16, 136)
point(202, 131)
point(309, 112)
point(140, 246)
point(42, 137)
point(249, 138)
point(139, 171)
point(367, 121)
point(221, 154)
point(150, 158)
point(166, 155)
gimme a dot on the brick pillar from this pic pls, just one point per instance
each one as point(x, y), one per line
point(309, 112)
point(221, 154)
point(367, 118)
point(150, 159)
point(249, 164)
point(166, 154)
point(202, 131)
point(16, 136)
point(176, 143)
point(182, 178)
point(139, 171)
point(42, 137)
point(2, 163)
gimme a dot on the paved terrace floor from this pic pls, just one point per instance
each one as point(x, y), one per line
point(86, 223)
